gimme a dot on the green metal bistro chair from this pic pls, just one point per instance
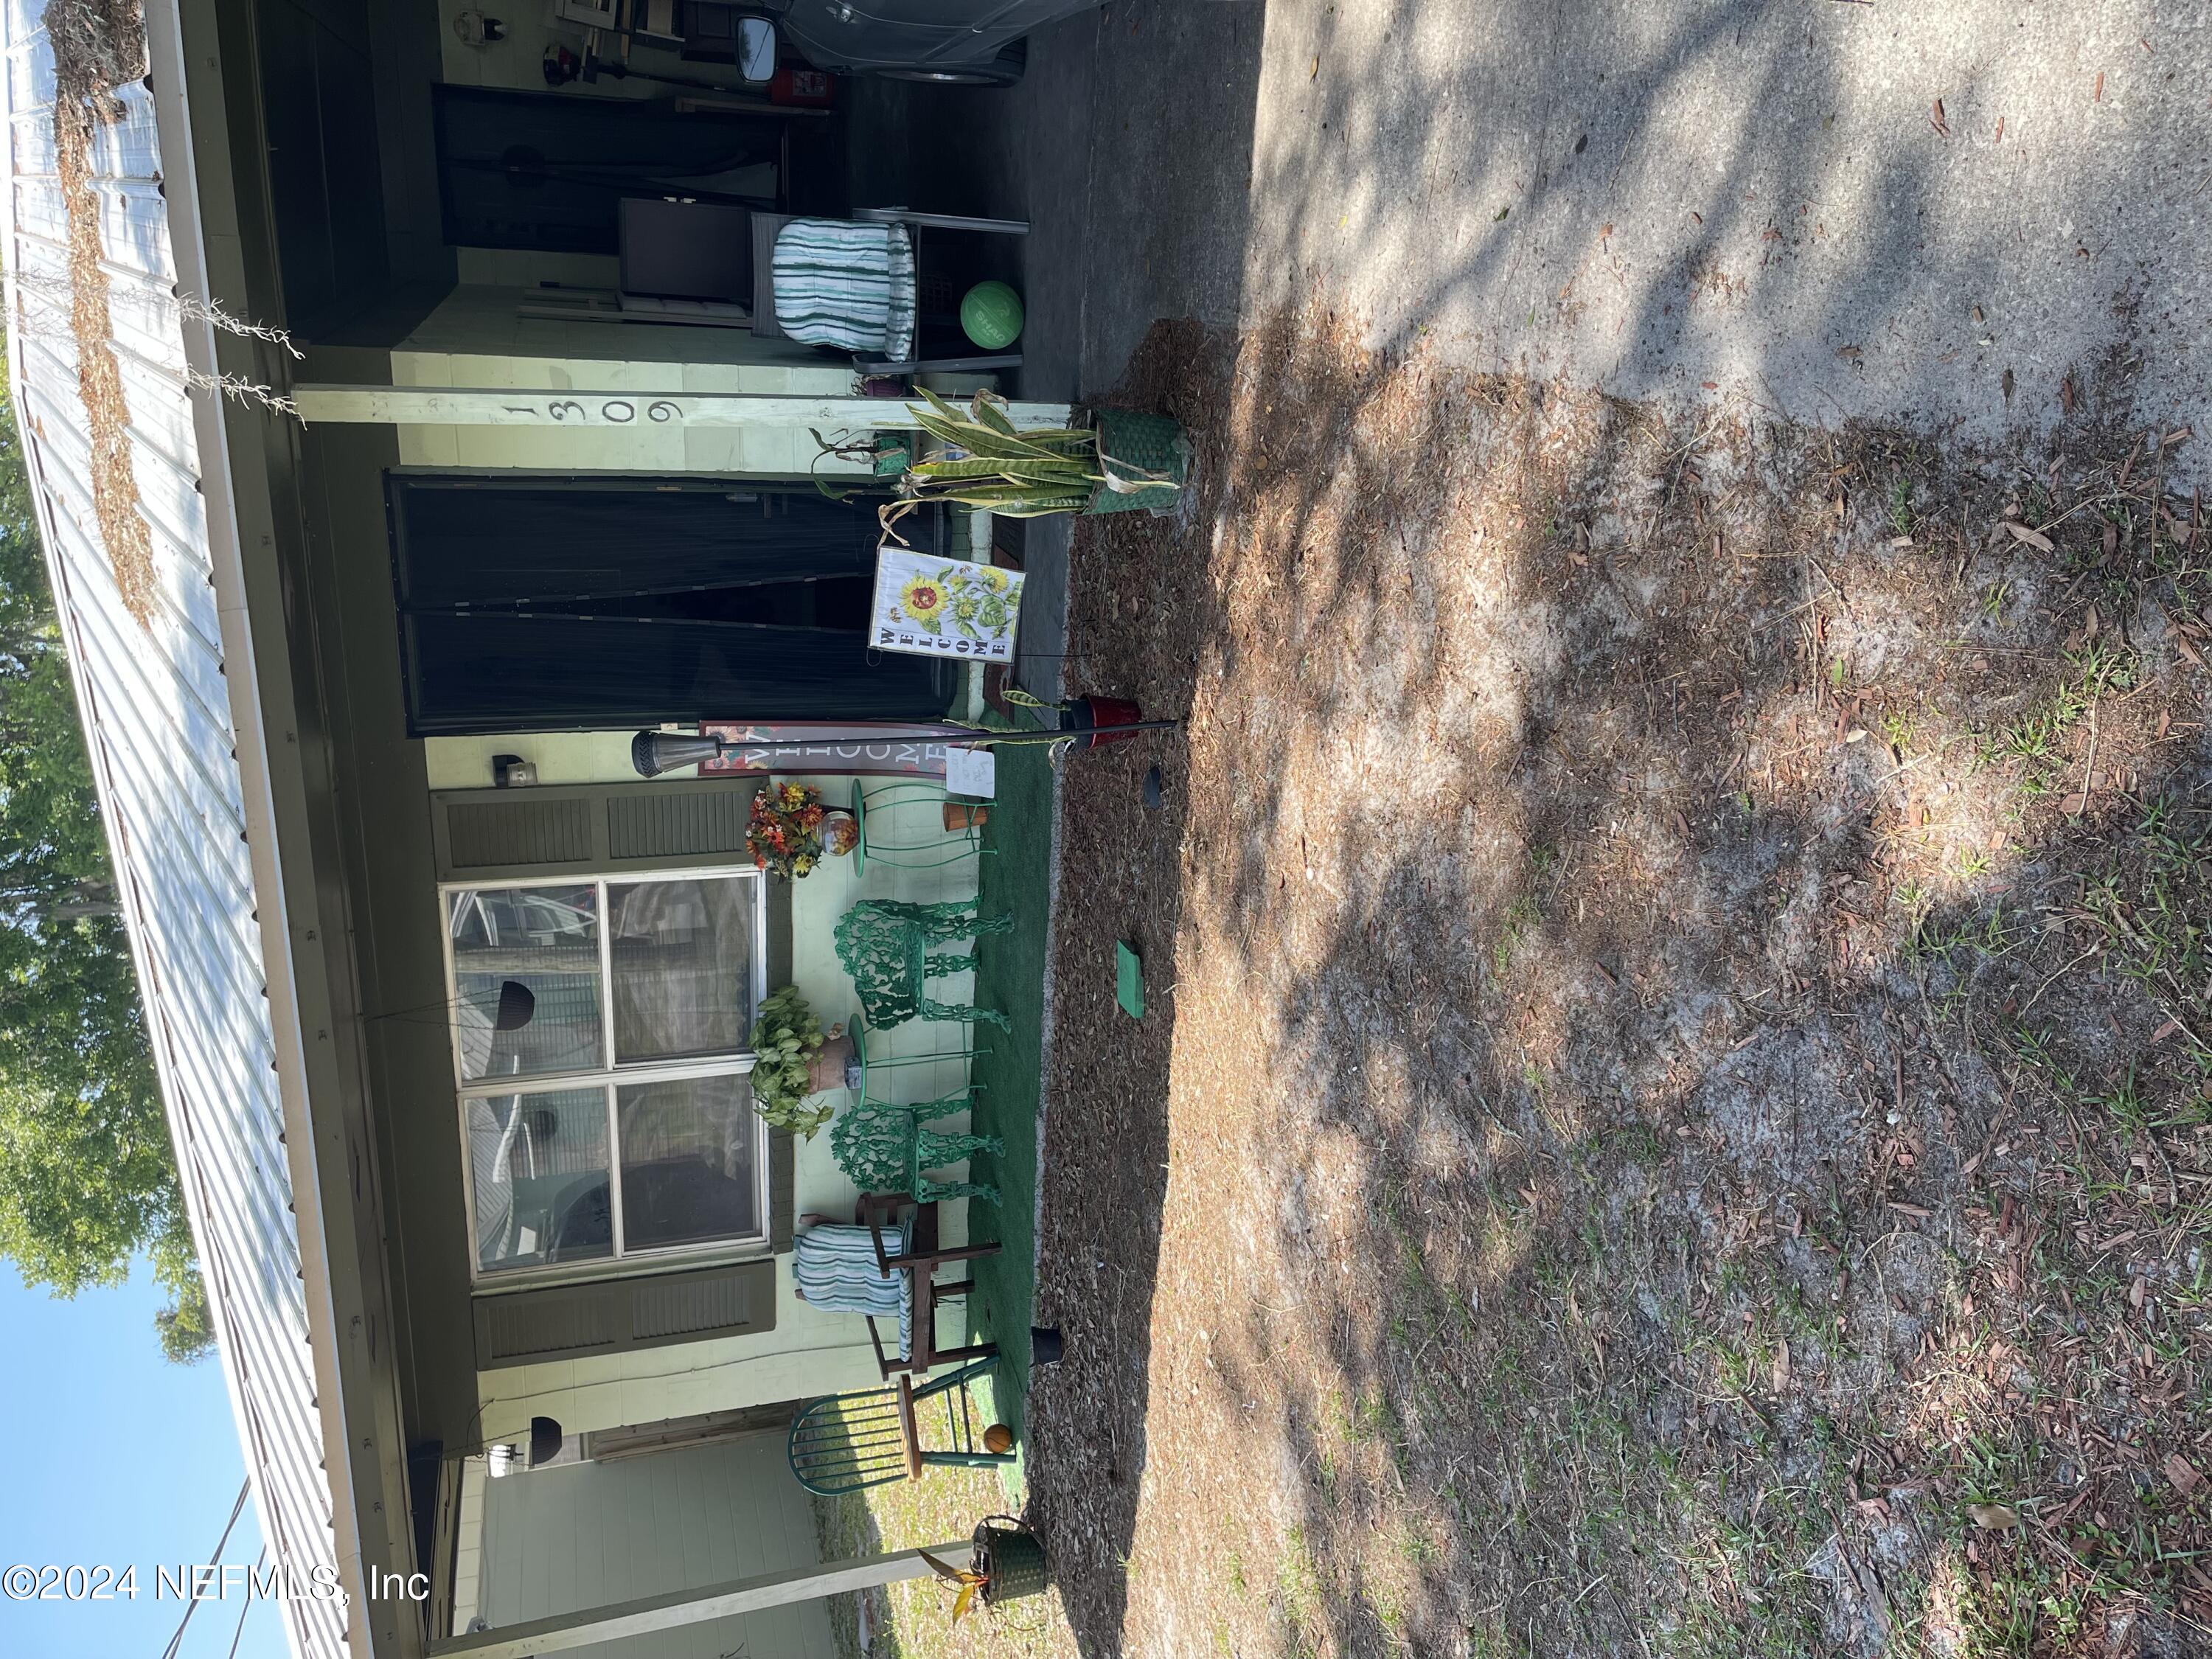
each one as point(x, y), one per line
point(847, 1443)
point(885, 945)
point(884, 1148)
point(880, 839)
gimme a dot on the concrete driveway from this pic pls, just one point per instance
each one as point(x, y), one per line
point(1960, 215)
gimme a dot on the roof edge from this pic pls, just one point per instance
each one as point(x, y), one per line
point(132, 898)
point(186, 184)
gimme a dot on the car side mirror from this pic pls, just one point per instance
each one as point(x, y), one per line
point(756, 49)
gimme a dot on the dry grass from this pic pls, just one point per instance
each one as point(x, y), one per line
point(99, 45)
point(1673, 1119)
point(914, 1619)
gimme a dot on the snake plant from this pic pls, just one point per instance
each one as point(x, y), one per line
point(997, 467)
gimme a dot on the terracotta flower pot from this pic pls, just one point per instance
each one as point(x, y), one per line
point(831, 1061)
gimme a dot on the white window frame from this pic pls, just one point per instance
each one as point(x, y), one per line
point(611, 1076)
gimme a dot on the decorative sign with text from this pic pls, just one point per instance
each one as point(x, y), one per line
point(971, 772)
point(850, 749)
point(937, 607)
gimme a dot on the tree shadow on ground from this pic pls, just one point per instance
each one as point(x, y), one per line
point(1596, 887)
point(1553, 1201)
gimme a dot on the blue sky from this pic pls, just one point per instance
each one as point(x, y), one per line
point(116, 1455)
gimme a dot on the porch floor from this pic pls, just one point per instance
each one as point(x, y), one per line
point(1015, 878)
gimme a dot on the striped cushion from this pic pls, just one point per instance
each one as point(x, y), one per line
point(834, 1268)
point(846, 283)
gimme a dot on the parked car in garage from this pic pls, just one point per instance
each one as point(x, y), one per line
point(955, 42)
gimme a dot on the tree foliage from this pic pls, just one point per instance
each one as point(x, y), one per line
point(185, 1326)
point(88, 1181)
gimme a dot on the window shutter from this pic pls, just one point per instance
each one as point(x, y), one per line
point(616, 1315)
point(782, 1190)
point(589, 828)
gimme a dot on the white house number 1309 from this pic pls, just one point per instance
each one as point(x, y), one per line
point(615, 411)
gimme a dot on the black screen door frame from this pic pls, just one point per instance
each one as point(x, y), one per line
point(506, 626)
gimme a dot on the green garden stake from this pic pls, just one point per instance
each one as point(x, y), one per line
point(1128, 981)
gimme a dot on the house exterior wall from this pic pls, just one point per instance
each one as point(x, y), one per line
point(587, 1535)
point(386, 779)
point(809, 1352)
point(522, 267)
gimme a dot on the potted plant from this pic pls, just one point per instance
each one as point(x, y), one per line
point(1114, 461)
point(1008, 1564)
point(833, 1066)
point(785, 1040)
point(1145, 459)
point(784, 835)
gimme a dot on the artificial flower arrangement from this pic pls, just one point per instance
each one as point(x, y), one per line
point(785, 834)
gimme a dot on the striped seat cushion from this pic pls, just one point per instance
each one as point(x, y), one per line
point(834, 1268)
point(846, 283)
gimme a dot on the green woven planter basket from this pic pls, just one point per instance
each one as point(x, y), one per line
point(1132, 445)
point(1011, 1559)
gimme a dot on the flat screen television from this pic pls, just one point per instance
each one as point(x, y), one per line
point(687, 250)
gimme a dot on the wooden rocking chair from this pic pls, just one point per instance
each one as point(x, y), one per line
point(919, 1259)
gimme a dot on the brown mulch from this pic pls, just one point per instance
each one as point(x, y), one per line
point(1668, 1119)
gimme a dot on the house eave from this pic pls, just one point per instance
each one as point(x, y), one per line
point(349, 1316)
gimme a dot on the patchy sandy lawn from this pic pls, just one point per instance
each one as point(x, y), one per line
point(1673, 1119)
point(914, 1619)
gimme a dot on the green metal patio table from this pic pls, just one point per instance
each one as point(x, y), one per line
point(859, 1027)
point(872, 811)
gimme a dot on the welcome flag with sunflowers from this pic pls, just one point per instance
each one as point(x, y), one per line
point(938, 607)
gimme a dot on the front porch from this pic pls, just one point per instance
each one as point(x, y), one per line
point(670, 1501)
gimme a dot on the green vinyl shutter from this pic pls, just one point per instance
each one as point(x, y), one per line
point(617, 1315)
point(590, 828)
